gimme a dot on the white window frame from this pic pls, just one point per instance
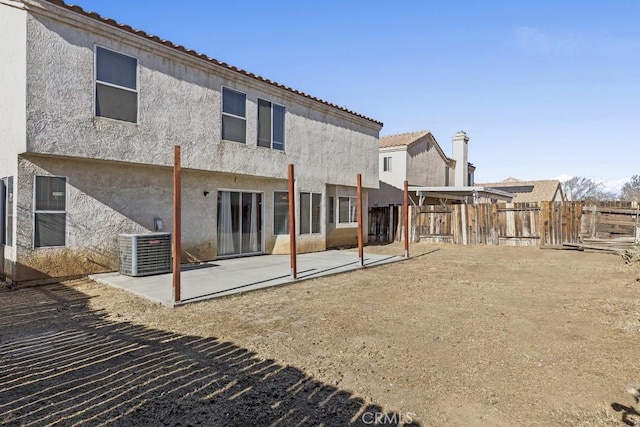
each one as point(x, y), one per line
point(233, 115)
point(353, 202)
point(311, 194)
point(386, 164)
point(284, 125)
point(66, 213)
point(96, 81)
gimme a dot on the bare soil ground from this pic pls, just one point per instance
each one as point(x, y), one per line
point(475, 335)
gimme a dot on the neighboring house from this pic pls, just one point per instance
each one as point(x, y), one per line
point(418, 158)
point(549, 190)
point(90, 112)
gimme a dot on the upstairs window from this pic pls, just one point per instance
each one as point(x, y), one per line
point(50, 213)
point(116, 85)
point(386, 164)
point(234, 116)
point(270, 125)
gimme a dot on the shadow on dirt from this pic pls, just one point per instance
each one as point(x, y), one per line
point(630, 416)
point(62, 362)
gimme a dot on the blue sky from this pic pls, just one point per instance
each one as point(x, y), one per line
point(542, 88)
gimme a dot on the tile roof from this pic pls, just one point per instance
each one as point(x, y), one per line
point(111, 22)
point(543, 190)
point(402, 139)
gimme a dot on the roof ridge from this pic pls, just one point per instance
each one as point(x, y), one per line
point(112, 22)
point(406, 133)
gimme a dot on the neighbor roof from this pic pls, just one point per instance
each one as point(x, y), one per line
point(111, 22)
point(529, 191)
point(402, 139)
point(410, 138)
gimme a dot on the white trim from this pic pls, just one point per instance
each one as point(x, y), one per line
point(96, 82)
point(34, 211)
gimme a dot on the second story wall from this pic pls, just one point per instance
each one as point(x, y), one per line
point(12, 85)
point(392, 166)
point(425, 166)
point(179, 102)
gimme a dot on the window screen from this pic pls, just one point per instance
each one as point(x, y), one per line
point(310, 213)
point(234, 122)
point(305, 213)
point(270, 125)
point(116, 85)
point(347, 210)
point(50, 211)
point(332, 210)
point(281, 212)
point(316, 201)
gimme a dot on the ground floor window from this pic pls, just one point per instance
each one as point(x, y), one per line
point(310, 212)
point(6, 211)
point(239, 223)
point(331, 210)
point(280, 212)
point(347, 210)
point(50, 211)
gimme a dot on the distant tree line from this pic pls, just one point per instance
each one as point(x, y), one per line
point(587, 189)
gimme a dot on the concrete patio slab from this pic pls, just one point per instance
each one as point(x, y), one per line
point(231, 276)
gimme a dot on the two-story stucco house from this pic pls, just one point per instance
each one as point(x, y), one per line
point(418, 158)
point(89, 113)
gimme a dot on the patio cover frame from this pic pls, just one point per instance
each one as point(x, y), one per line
point(460, 193)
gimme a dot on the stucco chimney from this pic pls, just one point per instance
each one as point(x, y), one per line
point(461, 156)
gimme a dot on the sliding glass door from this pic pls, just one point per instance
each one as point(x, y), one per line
point(239, 223)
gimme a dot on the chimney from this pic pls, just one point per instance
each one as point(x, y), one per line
point(461, 156)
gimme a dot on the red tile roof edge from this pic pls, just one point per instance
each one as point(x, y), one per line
point(95, 16)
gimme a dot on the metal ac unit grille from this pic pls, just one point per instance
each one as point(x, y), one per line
point(144, 254)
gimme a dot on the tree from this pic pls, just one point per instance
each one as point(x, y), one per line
point(631, 189)
point(579, 188)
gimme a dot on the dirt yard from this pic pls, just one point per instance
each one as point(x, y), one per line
point(493, 336)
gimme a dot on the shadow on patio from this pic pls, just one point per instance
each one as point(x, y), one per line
point(63, 362)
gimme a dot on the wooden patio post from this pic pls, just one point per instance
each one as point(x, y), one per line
point(177, 223)
point(292, 225)
point(406, 219)
point(360, 223)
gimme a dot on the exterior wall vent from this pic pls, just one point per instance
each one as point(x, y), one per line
point(144, 254)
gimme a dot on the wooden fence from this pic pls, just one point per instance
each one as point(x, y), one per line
point(513, 224)
point(611, 225)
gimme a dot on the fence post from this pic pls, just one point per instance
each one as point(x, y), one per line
point(544, 221)
point(292, 224)
point(406, 218)
point(360, 222)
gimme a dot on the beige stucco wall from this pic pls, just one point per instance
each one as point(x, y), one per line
point(420, 164)
point(345, 234)
point(179, 104)
point(105, 199)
